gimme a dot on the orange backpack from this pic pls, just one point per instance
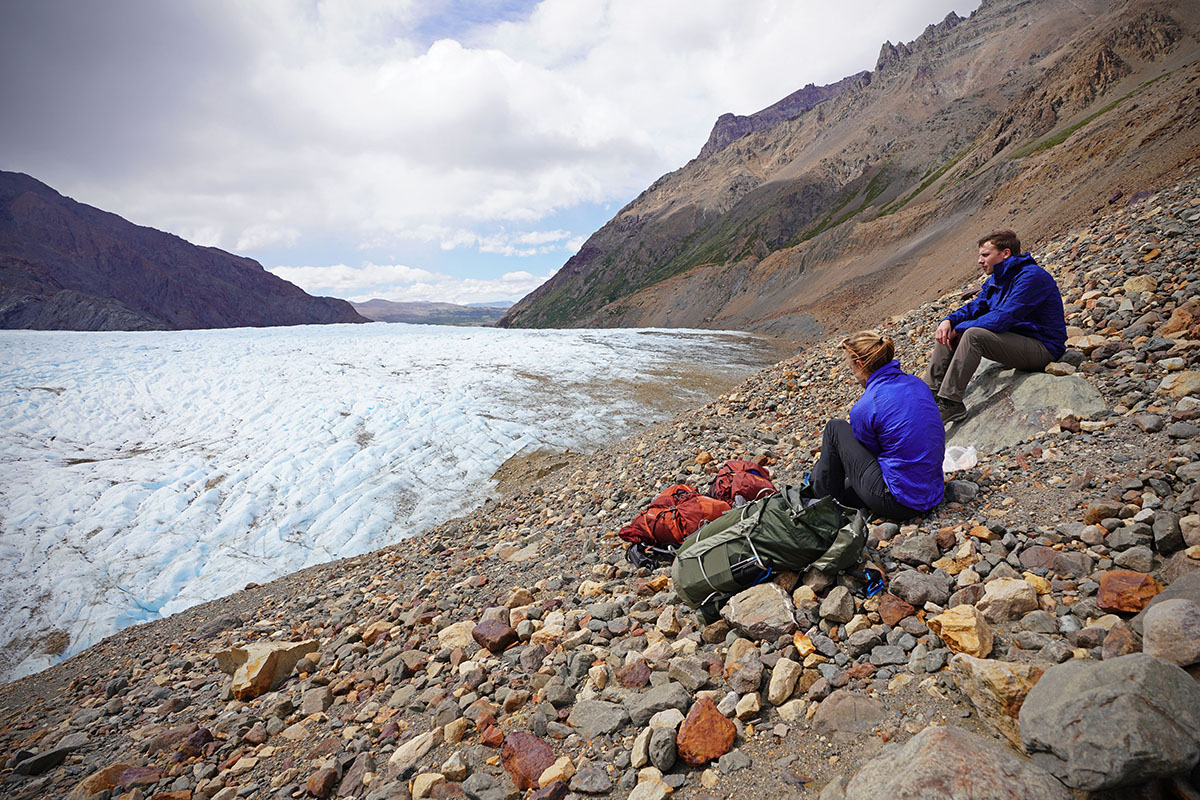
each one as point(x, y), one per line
point(744, 479)
point(674, 515)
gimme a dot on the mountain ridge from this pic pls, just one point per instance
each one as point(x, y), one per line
point(65, 265)
point(1023, 115)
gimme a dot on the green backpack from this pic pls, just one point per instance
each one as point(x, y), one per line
point(788, 531)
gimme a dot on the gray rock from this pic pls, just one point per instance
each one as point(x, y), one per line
point(1040, 622)
point(845, 713)
point(690, 672)
point(1168, 536)
point(733, 761)
point(761, 612)
point(1171, 632)
point(1008, 406)
point(1150, 423)
point(316, 700)
point(482, 786)
point(918, 588)
point(746, 675)
point(917, 549)
point(1140, 559)
point(961, 491)
point(590, 779)
point(888, 654)
point(1183, 430)
point(862, 641)
point(942, 763)
point(1056, 652)
point(838, 605)
point(38, 763)
point(644, 705)
point(446, 712)
point(662, 748)
point(1078, 710)
point(592, 718)
point(1124, 538)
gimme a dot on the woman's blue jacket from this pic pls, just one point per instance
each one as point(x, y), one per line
point(898, 420)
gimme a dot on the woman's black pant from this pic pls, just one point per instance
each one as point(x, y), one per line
point(850, 473)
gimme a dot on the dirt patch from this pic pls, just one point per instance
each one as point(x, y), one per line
point(530, 466)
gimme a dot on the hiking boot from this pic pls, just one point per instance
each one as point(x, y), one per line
point(952, 410)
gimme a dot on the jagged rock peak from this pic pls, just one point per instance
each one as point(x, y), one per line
point(729, 127)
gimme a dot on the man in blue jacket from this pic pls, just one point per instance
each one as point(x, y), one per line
point(1016, 319)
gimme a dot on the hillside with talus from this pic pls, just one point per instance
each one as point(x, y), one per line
point(68, 266)
point(840, 211)
point(1038, 636)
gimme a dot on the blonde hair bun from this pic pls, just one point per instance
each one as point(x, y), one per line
point(870, 348)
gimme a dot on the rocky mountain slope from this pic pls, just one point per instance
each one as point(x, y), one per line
point(514, 652)
point(420, 313)
point(68, 266)
point(729, 127)
point(1029, 115)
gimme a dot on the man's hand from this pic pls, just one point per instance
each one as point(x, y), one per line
point(945, 333)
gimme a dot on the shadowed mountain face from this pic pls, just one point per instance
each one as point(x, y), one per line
point(1025, 115)
point(68, 266)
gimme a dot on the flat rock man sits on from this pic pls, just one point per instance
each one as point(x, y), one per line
point(1016, 319)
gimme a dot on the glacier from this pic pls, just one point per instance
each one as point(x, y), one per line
point(142, 473)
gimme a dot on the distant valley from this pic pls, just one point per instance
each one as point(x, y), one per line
point(424, 313)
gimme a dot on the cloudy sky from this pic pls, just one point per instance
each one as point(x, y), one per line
point(407, 149)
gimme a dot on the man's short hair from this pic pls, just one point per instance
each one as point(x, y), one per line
point(1002, 240)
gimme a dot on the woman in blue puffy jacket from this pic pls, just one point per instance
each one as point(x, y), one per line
point(888, 457)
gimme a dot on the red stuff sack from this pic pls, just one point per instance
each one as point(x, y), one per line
point(674, 515)
point(744, 479)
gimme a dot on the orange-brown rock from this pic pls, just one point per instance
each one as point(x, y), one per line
point(1099, 511)
point(321, 782)
point(492, 736)
point(104, 780)
point(375, 631)
point(705, 735)
point(892, 609)
point(1126, 591)
point(525, 757)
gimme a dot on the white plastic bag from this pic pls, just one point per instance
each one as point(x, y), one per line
point(958, 457)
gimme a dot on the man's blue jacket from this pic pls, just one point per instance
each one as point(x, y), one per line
point(897, 419)
point(1018, 297)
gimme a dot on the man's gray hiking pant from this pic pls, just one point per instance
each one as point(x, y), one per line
point(950, 368)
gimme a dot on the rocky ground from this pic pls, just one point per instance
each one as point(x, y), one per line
point(514, 651)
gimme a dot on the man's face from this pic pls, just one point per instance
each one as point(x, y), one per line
point(989, 257)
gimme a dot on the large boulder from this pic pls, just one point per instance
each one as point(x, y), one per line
point(1113, 723)
point(997, 689)
point(1186, 587)
point(950, 763)
point(257, 668)
point(1008, 406)
point(1172, 632)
